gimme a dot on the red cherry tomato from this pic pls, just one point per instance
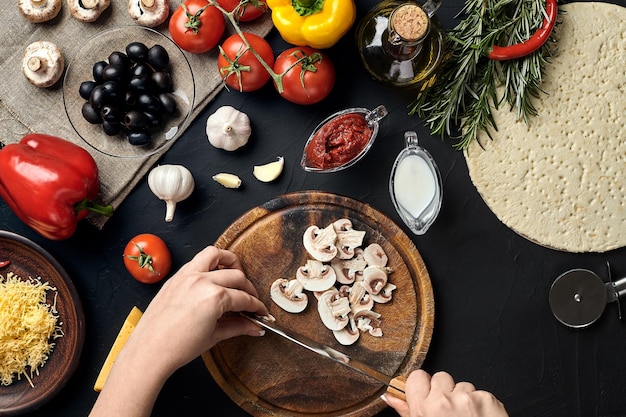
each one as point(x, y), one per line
point(147, 258)
point(239, 68)
point(309, 75)
point(249, 10)
point(196, 26)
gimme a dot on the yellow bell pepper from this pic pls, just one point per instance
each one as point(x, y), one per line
point(315, 23)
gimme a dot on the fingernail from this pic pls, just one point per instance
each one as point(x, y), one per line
point(384, 398)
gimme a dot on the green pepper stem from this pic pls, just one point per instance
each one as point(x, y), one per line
point(87, 204)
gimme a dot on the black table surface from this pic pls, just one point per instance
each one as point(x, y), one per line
point(493, 324)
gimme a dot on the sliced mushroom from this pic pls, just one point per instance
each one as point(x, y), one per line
point(320, 243)
point(316, 276)
point(149, 13)
point(375, 255)
point(333, 309)
point(348, 239)
point(38, 11)
point(359, 298)
point(368, 321)
point(374, 279)
point(43, 63)
point(87, 10)
point(385, 295)
point(288, 295)
point(348, 269)
point(349, 334)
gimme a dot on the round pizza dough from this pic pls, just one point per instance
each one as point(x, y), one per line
point(560, 179)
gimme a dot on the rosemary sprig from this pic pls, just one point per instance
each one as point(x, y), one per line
point(465, 91)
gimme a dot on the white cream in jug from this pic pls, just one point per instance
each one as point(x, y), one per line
point(414, 185)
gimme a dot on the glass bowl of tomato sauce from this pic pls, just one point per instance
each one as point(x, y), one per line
point(342, 139)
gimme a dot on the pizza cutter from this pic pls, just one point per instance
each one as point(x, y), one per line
point(578, 297)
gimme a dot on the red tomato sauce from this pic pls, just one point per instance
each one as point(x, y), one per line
point(338, 141)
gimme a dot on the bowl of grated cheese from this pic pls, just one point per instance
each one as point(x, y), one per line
point(40, 347)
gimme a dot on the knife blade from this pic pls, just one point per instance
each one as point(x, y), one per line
point(395, 385)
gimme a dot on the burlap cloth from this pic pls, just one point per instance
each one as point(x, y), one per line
point(25, 108)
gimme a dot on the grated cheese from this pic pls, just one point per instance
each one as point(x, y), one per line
point(28, 326)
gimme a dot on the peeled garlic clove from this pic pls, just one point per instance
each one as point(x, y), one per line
point(269, 172)
point(228, 180)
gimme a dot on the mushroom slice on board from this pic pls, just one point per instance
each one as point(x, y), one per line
point(347, 270)
point(348, 239)
point(38, 11)
point(375, 255)
point(320, 243)
point(288, 295)
point(349, 334)
point(359, 298)
point(374, 279)
point(316, 276)
point(87, 10)
point(334, 309)
point(385, 295)
point(43, 63)
point(368, 321)
point(149, 13)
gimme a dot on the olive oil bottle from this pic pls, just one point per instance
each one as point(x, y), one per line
point(401, 42)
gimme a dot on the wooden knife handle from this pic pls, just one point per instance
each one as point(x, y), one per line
point(397, 387)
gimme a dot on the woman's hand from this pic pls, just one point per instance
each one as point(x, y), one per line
point(440, 396)
point(186, 318)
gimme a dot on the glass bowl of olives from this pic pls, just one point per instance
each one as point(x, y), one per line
point(129, 91)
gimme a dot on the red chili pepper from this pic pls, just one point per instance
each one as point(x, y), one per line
point(503, 53)
point(49, 183)
point(4, 263)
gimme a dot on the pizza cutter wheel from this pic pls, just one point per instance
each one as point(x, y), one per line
point(578, 297)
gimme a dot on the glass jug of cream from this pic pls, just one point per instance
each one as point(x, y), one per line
point(415, 186)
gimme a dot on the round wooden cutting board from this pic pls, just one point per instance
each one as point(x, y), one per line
point(272, 376)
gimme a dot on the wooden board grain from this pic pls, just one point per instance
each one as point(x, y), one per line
point(272, 376)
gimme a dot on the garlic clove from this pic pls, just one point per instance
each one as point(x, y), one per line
point(269, 172)
point(228, 180)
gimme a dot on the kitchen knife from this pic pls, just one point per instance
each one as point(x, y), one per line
point(395, 386)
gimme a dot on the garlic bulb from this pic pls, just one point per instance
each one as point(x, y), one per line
point(171, 183)
point(228, 128)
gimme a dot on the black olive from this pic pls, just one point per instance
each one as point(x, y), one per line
point(90, 114)
point(111, 128)
point(135, 120)
point(158, 57)
point(96, 71)
point(149, 103)
point(138, 138)
point(141, 83)
point(97, 98)
point(162, 81)
point(115, 92)
point(131, 98)
point(141, 69)
point(120, 59)
point(112, 113)
point(153, 119)
point(137, 51)
point(168, 102)
point(85, 89)
point(115, 73)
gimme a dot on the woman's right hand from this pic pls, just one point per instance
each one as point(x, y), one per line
point(440, 396)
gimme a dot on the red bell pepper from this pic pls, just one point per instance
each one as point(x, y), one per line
point(49, 183)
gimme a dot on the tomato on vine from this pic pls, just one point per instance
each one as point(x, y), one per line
point(196, 26)
point(239, 66)
point(248, 9)
point(147, 258)
point(308, 75)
